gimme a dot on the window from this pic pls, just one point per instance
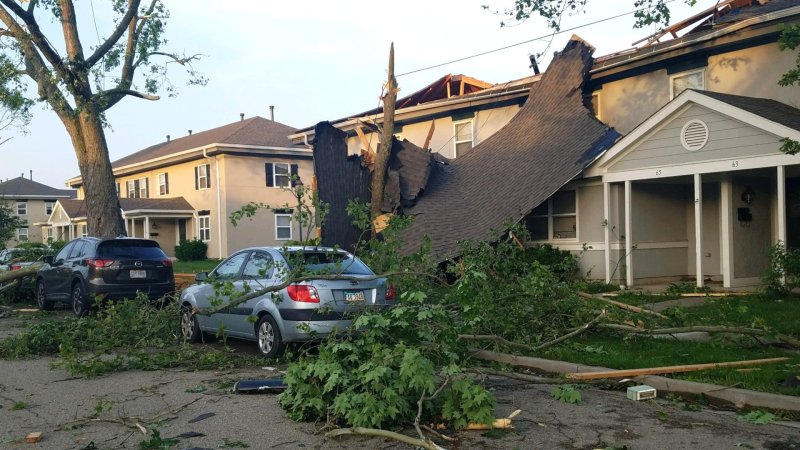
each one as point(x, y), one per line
point(202, 179)
point(555, 219)
point(22, 234)
point(131, 188)
point(259, 266)
point(462, 137)
point(204, 232)
point(83, 230)
point(22, 208)
point(50, 233)
point(283, 227)
point(596, 105)
point(48, 207)
point(143, 187)
point(163, 184)
point(281, 175)
point(686, 80)
point(230, 268)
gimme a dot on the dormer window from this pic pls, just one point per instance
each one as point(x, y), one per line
point(695, 79)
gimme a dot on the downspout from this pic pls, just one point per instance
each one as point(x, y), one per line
point(219, 201)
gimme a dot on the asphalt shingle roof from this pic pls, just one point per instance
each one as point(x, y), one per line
point(769, 109)
point(253, 131)
point(77, 208)
point(21, 187)
point(549, 142)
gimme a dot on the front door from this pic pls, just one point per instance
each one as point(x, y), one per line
point(181, 230)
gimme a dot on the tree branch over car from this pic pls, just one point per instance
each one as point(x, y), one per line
point(73, 84)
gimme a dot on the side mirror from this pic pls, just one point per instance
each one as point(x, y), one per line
point(48, 259)
point(201, 276)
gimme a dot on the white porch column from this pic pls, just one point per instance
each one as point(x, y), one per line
point(133, 227)
point(782, 204)
point(698, 228)
point(607, 228)
point(726, 231)
point(628, 236)
point(71, 232)
point(147, 227)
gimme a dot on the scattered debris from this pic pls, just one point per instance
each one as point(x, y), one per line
point(259, 386)
point(641, 392)
point(189, 434)
point(791, 381)
point(34, 437)
point(203, 416)
point(502, 424)
point(621, 305)
point(668, 369)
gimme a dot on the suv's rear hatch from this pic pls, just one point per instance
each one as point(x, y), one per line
point(133, 261)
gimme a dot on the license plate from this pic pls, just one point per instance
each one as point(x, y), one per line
point(354, 297)
point(138, 274)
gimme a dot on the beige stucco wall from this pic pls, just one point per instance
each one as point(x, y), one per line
point(485, 124)
point(245, 181)
point(36, 213)
point(753, 72)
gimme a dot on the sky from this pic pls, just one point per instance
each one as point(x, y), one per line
point(313, 60)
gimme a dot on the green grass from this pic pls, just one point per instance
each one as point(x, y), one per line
point(620, 351)
point(195, 266)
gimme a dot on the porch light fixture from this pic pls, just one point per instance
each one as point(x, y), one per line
point(748, 195)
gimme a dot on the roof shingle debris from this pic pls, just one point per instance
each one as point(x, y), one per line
point(548, 143)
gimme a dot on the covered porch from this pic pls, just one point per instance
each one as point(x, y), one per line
point(701, 191)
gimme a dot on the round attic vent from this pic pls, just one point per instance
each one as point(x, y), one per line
point(694, 135)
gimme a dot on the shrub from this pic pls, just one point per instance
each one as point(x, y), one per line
point(31, 251)
point(783, 273)
point(194, 250)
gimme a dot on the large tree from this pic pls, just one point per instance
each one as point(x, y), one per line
point(71, 79)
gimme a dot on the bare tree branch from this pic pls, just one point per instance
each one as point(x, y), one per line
point(69, 27)
point(35, 35)
point(182, 60)
point(123, 92)
point(100, 52)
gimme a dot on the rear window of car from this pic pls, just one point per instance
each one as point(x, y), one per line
point(329, 262)
point(130, 250)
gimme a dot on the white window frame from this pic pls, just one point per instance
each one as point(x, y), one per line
point(471, 140)
point(291, 233)
point(20, 234)
point(143, 188)
point(550, 216)
point(202, 174)
point(275, 175)
point(130, 187)
point(22, 206)
point(50, 206)
point(672, 78)
point(162, 183)
point(204, 224)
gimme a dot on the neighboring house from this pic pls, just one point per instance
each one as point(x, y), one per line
point(700, 190)
point(186, 188)
point(33, 202)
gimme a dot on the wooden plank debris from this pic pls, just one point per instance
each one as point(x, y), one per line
point(621, 305)
point(667, 369)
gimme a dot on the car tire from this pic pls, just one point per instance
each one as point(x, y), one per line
point(41, 297)
point(80, 303)
point(268, 337)
point(190, 327)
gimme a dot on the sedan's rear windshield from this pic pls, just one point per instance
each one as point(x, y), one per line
point(124, 249)
point(328, 262)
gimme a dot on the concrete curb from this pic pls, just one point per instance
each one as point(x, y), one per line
point(740, 398)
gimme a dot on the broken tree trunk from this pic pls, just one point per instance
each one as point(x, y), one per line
point(667, 369)
point(21, 273)
point(621, 305)
point(385, 148)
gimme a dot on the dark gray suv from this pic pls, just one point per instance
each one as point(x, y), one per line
point(110, 268)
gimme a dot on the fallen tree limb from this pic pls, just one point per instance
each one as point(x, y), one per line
point(621, 305)
point(426, 444)
point(9, 286)
point(708, 329)
point(492, 337)
point(667, 369)
point(21, 273)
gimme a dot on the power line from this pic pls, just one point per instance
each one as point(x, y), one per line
point(526, 42)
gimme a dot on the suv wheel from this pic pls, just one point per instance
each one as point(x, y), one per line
point(79, 304)
point(190, 329)
point(269, 337)
point(41, 297)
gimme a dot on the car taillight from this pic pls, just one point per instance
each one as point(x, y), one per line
point(99, 263)
point(167, 262)
point(16, 267)
point(303, 293)
point(391, 295)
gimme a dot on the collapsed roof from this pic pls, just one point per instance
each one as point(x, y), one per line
point(548, 143)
